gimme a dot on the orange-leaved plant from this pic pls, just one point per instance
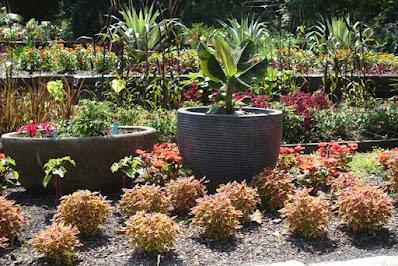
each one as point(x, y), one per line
point(364, 208)
point(216, 216)
point(84, 209)
point(243, 198)
point(307, 215)
point(149, 198)
point(152, 232)
point(58, 243)
point(274, 187)
point(184, 192)
point(11, 220)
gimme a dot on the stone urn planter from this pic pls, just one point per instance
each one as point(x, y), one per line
point(229, 147)
point(93, 156)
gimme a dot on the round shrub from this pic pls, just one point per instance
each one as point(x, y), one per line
point(84, 209)
point(274, 187)
point(11, 220)
point(307, 215)
point(58, 243)
point(184, 192)
point(149, 198)
point(364, 208)
point(217, 217)
point(392, 172)
point(243, 198)
point(152, 232)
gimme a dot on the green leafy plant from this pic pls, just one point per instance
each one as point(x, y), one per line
point(55, 169)
point(92, 119)
point(152, 232)
point(216, 216)
point(130, 166)
point(233, 70)
point(149, 198)
point(11, 220)
point(56, 89)
point(184, 192)
point(58, 243)
point(7, 173)
point(243, 198)
point(84, 209)
point(307, 215)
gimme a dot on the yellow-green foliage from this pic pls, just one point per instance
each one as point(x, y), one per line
point(58, 243)
point(184, 192)
point(307, 215)
point(243, 197)
point(84, 209)
point(216, 216)
point(149, 198)
point(152, 232)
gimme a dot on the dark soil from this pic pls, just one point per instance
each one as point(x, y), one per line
point(268, 242)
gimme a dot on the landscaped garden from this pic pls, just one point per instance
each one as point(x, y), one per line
point(153, 133)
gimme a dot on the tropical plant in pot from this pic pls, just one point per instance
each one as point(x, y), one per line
point(222, 142)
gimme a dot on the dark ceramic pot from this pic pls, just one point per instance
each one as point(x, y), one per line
point(93, 156)
point(229, 147)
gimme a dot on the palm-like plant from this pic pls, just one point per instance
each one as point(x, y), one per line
point(139, 29)
point(247, 28)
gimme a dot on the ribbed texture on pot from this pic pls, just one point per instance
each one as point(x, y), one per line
point(229, 147)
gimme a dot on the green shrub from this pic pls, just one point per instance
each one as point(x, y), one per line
point(152, 232)
point(380, 122)
point(293, 131)
point(92, 119)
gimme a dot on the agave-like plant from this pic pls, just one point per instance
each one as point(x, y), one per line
point(234, 69)
point(247, 28)
point(140, 30)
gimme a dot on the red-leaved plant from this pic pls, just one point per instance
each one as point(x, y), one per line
point(33, 129)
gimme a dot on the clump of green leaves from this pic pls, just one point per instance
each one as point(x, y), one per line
point(56, 89)
point(130, 166)
point(93, 119)
point(7, 173)
point(55, 168)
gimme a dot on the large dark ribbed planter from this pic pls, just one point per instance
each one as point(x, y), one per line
point(228, 147)
point(93, 156)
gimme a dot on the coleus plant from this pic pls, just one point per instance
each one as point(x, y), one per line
point(234, 70)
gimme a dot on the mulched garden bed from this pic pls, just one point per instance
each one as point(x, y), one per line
point(268, 242)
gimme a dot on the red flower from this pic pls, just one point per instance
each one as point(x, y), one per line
point(298, 149)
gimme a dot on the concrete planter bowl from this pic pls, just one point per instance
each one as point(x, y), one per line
point(229, 147)
point(93, 156)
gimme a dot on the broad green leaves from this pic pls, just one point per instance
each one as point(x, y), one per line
point(56, 167)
